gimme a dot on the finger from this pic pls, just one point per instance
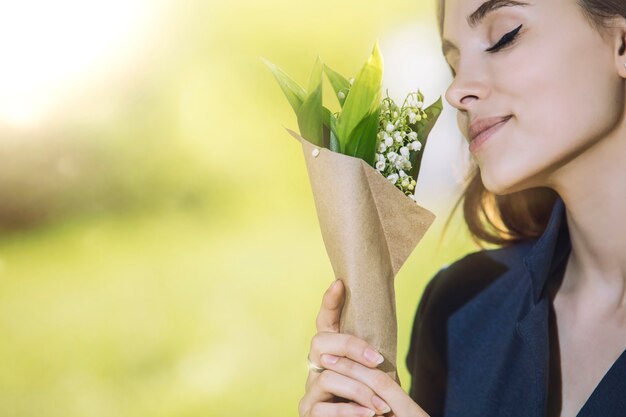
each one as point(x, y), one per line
point(330, 311)
point(333, 384)
point(339, 410)
point(343, 344)
point(378, 381)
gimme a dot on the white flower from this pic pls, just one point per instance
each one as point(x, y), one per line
point(419, 104)
point(406, 164)
point(404, 151)
point(412, 117)
point(390, 127)
point(380, 165)
point(392, 156)
point(402, 174)
point(415, 146)
point(341, 95)
point(398, 137)
point(382, 147)
point(388, 139)
point(393, 178)
point(395, 114)
point(413, 136)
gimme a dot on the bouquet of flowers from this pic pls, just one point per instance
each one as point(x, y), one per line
point(363, 163)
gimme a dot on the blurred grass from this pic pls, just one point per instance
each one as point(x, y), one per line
point(182, 268)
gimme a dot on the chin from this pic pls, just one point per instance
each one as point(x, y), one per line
point(502, 184)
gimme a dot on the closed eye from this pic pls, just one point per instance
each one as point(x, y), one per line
point(508, 38)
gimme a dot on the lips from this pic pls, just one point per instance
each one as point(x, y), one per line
point(480, 125)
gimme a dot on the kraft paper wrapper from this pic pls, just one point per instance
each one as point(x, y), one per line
point(369, 228)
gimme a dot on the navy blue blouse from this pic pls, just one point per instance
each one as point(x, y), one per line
point(483, 331)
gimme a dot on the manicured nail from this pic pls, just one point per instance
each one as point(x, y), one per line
point(373, 356)
point(368, 413)
point(380, 404)
point(329, 359)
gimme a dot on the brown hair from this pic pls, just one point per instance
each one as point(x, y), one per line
point(507, 219)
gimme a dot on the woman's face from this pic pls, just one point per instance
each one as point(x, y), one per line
point(560, 79)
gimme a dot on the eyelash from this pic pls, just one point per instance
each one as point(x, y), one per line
point(507, 39)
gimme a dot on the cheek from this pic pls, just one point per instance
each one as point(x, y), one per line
point(562, 105)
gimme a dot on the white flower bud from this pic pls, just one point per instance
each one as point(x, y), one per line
point(419, 104)
point(411, 187)
point(351, 80)
point(393, 178)
point(341, 95)
point(413, 136)
point(405, 183)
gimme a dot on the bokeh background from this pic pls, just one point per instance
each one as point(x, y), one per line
point(159, 248)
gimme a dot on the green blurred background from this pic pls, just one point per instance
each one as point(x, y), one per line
point(159, 250)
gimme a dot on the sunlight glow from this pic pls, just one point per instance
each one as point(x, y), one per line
point(50, 50)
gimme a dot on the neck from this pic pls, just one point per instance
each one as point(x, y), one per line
point(593, 189)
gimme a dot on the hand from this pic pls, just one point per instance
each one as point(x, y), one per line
point(353, 377)
point(378, 381)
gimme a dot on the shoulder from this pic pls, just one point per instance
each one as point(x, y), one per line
point(457, 283)
point(447, 291)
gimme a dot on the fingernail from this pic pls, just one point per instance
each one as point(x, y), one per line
point(368, 413)
point(380, 404)
point(373, 356)
point(329, 359)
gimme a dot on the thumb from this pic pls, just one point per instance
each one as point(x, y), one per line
point(330, 311)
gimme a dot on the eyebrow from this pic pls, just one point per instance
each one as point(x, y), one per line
point(479, 15)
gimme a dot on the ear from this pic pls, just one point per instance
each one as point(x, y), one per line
point(618, 34)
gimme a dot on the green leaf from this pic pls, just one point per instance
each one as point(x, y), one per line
point(293, 91)
point(423, 128)
point(311, 113)
point(339, 83)
point(364, 97)
point(362, 140)
point(334, 142)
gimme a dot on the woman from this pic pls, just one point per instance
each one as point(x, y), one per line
point(537, 326)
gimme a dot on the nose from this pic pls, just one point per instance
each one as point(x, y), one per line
point(469, 86)
point(468, 89)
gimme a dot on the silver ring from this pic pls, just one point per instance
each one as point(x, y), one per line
point(313, 367)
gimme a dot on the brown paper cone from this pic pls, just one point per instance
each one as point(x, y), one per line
point(369, 228)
